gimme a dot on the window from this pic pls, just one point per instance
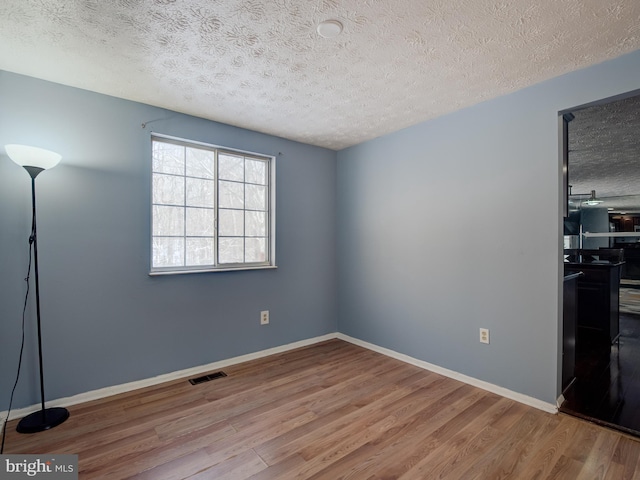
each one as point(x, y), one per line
point(212, 208)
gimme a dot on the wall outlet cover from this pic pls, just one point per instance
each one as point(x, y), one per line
point(484, 335)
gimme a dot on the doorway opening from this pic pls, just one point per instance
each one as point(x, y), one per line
point(601, 335)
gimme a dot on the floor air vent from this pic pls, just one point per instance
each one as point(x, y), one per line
point(207, 378)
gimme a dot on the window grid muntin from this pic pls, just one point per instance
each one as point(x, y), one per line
point(268, 179)
point(266, 211)
point(184, 206)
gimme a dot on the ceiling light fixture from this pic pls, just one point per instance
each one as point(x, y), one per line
point(592, 199)
point(329, 28)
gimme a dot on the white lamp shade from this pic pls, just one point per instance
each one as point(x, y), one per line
point(26, 156)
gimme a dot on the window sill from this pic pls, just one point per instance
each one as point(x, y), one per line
point(213, 270)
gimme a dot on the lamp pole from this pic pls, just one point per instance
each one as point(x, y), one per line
point(33, 240)
point(34, 161)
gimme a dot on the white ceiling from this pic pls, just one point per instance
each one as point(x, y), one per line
point(604, 154)
point(260, 64)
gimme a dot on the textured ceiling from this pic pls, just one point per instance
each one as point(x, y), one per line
point(604, 153)
point(260, 64)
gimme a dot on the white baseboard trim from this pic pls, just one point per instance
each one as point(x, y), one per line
point(167, 377)
point(504, 392)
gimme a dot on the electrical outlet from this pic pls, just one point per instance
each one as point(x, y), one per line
point(484, 335)
point(264, 317)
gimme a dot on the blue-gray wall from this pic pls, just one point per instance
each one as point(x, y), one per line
point(105, 320)
point(454, 224)
point(442, 228)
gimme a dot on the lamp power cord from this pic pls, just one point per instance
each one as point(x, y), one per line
point(24, 310)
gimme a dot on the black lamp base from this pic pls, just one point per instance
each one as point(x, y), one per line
point(42, 420)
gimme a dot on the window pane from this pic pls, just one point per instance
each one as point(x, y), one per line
point(230, 167)
point(231, 223)
point(210, 208)
point(200, 251)
point(168, 189)
point(256, 225)
point(200, 222)
point(168, 252)
point(200, 163)
point(256, 198)
point(256, 171)
point(200, 193)
point(168, 221)
point(256, 250)
point(168, 158)
point(231, 250)
point(231, 195)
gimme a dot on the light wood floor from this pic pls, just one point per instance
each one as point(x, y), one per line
point(331, 411)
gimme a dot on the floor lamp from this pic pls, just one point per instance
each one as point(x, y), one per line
point(35, 160)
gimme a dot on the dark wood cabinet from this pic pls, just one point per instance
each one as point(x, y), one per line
point(631, 268)
point(598, 301)
point(569, 325)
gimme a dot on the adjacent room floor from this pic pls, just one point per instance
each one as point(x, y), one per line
point(607, 386)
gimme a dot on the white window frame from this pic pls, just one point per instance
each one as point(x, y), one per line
point(271, 213)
